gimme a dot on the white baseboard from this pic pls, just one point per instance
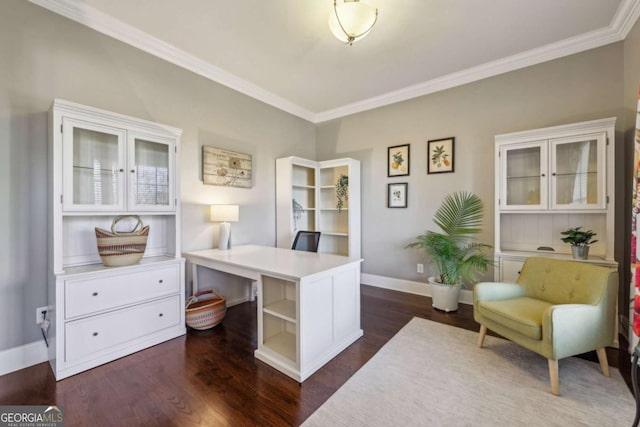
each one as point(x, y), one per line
point(409, 286)
point(23, 356)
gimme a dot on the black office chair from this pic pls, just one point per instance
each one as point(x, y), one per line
point(306, 241)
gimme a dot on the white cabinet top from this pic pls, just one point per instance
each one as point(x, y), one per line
point(110, 118)
point(557, 131)
point(286, 263)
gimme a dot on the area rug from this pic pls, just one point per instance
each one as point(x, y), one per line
point(431, 374)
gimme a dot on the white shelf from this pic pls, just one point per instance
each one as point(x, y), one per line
point(334, 233)
point(93, 268)
point(556, 255)
point(313, 185)
point(335, 210)
point(114, 213)
point(284, 309)
point(284, 344)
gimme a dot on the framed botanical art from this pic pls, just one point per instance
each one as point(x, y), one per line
point(397, 195)
point(440, 155)
point(398, 160)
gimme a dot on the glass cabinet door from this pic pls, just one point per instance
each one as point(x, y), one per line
point(524, 176)
point(577, 178)
point(93, 164)
point(150, 173)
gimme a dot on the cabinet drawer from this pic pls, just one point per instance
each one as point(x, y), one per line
point(510, 270)
point(91, 335)
point(88, 296)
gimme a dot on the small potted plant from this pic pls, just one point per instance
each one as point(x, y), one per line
point(579, 240)
point(342, 191)
point(457, 256)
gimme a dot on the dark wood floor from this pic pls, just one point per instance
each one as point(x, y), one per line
point(211, 378)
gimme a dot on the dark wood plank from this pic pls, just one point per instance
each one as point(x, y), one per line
point(211, 377)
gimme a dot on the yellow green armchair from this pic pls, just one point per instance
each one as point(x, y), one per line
point(557, 309)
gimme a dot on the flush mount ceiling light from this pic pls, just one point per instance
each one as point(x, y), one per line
point(351, 20)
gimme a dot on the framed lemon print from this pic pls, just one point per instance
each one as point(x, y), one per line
point(440, 154)
point(398, 160)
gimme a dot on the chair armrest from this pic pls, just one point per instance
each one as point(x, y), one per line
point(576, 328)
point(492, 291)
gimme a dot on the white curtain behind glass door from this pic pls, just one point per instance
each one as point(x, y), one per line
point(582, 167)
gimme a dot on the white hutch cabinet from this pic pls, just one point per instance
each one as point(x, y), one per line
point(103, 164)
point(548, 180)
point(313, 186)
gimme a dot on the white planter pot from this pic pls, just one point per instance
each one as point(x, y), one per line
point(445, 297)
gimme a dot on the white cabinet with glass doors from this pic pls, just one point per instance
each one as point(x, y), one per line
point(107, 169)
point(103, 165)
point(547, 181)
point(565, 173)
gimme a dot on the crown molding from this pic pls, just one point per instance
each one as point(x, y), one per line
point(622, 22)
point(625, 17)
point(106, 24)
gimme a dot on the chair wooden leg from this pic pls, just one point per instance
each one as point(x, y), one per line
point(553, 376)
point(604, 363)
point(483, 332)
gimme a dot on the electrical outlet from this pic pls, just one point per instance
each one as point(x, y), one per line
point(40, 314)
point(420, 268)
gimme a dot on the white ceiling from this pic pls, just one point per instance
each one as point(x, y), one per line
point(282, 52)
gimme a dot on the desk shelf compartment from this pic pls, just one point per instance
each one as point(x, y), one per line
point(279, 316)
point(280, 336)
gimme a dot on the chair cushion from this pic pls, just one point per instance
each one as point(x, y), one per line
point(523, 314)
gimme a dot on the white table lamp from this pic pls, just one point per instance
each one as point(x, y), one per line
point(224, 214)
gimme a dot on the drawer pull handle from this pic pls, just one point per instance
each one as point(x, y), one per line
point(160, 281)
point(160, 315)
point(95, 294)
point(95, 334)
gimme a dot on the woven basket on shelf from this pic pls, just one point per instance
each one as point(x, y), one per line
point(122, 248)
point(207, 312)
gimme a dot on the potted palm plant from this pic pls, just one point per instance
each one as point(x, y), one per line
point(579, 240)
point(454, 252)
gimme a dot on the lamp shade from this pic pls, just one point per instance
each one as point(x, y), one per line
point(351, 20)
point(224, 213)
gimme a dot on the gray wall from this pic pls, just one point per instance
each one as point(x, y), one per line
point(44, 56)
point(581, 87)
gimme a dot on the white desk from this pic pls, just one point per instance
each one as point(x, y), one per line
point(308, 303)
